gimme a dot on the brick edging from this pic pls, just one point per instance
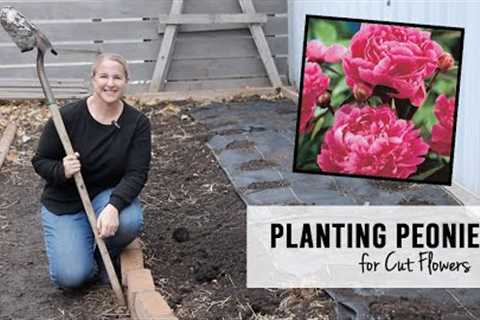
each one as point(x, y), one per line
point(144, 302)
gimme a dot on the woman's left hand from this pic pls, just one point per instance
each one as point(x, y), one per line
point(107, 222)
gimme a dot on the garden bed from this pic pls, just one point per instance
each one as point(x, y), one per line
point(194, 234)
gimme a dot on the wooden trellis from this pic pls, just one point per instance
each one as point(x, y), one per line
point(176, 18)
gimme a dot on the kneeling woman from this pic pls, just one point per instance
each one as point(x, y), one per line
point(112, 143)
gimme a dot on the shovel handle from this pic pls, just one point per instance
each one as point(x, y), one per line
point(87, 205)
point(82, 190)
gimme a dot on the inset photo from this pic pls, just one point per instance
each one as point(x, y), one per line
point(378, 99)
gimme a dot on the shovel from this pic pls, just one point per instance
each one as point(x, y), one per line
point(27, 36)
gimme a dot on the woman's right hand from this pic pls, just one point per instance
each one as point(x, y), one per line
point(71, 165)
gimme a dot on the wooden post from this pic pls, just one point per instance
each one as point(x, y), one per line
point(290, 93)
point(262, 45)
point(6, 141)
point(165, 55)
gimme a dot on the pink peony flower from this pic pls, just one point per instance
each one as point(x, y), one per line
point(371, 141)
point(315, 83)
point(442, 132)
point(394, 56)
point(317, 52)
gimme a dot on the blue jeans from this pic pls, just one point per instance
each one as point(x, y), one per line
point(70, 243)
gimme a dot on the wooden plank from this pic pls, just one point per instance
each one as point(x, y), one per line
point(216, 44)
point(290, 93)
point(211, 18)
point(111, 9)
point(38, 96)
point(107, 9)
point(6, 141)
point(143, 71)
point(138, 71)
point(204, 95)
point(83, 52)
point(137, 30)
point(278, 45)
point(91, 31)
point(188, 45)
point(175, 86)
point(166, 50)
point(218, 84)
point(39, 89)
point(274, 26)
point(262, 45)
point(208, 34)
point(219, 68)
point(271, 6)
point(223, 6)
point(34, 82)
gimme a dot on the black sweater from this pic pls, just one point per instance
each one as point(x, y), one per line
point(112, 156)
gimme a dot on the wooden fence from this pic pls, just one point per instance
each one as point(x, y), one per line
point(205, 56)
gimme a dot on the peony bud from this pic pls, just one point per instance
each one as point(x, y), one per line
point(324, 100)
point(445, 62)
point(361, 92)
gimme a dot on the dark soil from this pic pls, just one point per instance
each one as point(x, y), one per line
point(405, 309)
point(25, 289)
point(195, 234)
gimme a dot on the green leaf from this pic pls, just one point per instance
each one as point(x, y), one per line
point(446, 87)
point(344, 42)
point(375, 101)
point(319, 112)
point(424, 118)
point(424, 175)
point(301, 140)
point(341, 87)
point(311, 167)
point(325, 32)
point(341, 99)
point(318, 127)
point(304, 154)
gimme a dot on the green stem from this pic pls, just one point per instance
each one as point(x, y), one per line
point(330, 108)
point(430, 84)
point(426, 174)
point(326, 66)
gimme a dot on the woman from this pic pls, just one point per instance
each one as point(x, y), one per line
point(112, 143)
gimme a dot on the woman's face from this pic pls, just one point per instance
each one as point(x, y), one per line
point(109, 81)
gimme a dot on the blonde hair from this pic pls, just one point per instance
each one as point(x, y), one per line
point(112, 57)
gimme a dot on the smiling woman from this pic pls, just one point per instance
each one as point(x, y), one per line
point(112, 143)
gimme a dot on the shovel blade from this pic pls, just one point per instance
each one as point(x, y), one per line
point(22, 32)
